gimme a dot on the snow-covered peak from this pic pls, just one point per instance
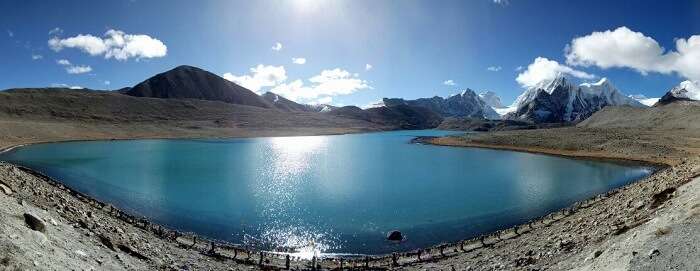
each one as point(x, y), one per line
point(687, 90)
point(491, 99)
point(644, 99)
point(548, 86)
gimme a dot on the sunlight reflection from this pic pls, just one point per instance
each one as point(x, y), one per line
point(289, 161)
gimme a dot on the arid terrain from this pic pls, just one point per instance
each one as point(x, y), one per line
point(647, 225)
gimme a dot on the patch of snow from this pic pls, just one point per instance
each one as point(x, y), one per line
point(644, 100)
point(505, 110)
point(687, 90)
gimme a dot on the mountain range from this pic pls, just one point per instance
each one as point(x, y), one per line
point(551, 101)
point(559, 100)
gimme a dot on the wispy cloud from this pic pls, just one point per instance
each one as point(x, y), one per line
point(277, 46)
point(494, 68)
point(78, 69)
point(368, 67)
point(449, 82)
point(73, 69)
point(502, 2)
point(10, 33)
point(299, 60)
point(37, 57)
point(56, 31)
point(115, 44)
point(59, 85)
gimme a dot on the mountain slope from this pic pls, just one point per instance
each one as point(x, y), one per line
point(195, 83)
point(491, 99)
point(401, 115)
point(682, 115)
point(285, 104)
point(685, 91)
point(559, 100)
point(465, 104)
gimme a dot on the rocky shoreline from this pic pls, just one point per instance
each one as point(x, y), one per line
point(544, 243)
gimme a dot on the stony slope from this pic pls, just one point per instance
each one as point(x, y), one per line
point(680, 115)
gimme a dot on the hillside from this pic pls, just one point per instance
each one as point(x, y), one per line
point(195, 83)
point(680, 115)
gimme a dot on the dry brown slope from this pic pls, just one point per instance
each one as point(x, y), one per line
point(682, 115)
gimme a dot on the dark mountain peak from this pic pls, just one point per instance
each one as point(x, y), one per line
point(188, 82)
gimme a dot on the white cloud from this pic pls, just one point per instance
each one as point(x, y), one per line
point(327, 84)
point(324, 100)
point(624, 48)
point(368, 67)
point(494, 68)
point(57, 85)
point(319, 89)
point(115, 44)
point(10, 33)
point(544, 69)
point(107, 83)
point(449, 83)
point(277, 46)
point(502, 2)
point(63, 62)
point(37, 57)
point(299, 60)
point(78, 69)
point(260, 76)
point(56, 31)
point(519, 68)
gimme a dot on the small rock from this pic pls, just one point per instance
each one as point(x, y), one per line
point(5, 189)
point(394, 236)
point(654, 252)
point(597, 253)
point(34, 222)
point(81, 253)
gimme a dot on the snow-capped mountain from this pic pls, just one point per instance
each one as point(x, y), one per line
point(644, 99)
point(491, 99)
point(686, 90)
point(464, 104)
point(559, 100)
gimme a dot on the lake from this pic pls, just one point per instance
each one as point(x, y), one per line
point(337, 194)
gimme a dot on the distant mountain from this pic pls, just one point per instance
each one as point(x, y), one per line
point(644, 99)
point(559, 100)
point(685, 91)
point(400, 115)
point(491, 99)
point(195, 83)
point(285, 104)
point(464, 104)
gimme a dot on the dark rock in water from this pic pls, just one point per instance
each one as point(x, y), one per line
point(34, 222)
point(394, 236)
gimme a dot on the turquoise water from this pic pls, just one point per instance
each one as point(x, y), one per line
point(333, 194)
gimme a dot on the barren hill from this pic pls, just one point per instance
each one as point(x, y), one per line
point(680, 115)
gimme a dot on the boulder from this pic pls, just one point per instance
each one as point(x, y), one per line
point(5, 189)
point(34, 222)
point(394, 236)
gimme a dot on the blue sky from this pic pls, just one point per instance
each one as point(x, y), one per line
point(413, 47)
